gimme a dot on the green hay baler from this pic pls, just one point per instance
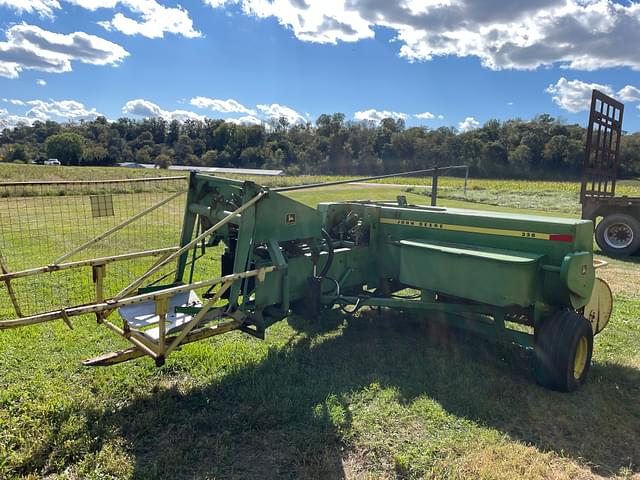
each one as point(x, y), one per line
point(513, 279)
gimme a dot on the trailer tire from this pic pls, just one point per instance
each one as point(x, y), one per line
point(618, 235)
point(563, 348)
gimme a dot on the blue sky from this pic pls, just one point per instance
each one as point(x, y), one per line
point(432, 62)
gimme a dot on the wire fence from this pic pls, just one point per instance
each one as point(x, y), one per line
point(45, 223)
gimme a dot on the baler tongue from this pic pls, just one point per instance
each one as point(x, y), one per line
point(143, 315)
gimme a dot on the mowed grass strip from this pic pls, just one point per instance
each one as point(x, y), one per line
point(448, 186)
point(380, 395)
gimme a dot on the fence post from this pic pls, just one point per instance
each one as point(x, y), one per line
point(434, 187)
point(466, 178)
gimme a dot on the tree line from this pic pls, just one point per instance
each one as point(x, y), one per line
point(544, 147)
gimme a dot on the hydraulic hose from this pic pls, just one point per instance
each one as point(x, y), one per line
point(330, 249)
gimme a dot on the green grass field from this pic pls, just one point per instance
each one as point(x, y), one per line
point(381, 395)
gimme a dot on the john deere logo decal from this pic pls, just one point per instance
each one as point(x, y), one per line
point(291, 218)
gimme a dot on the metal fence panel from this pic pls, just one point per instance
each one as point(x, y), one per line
point(40, 222)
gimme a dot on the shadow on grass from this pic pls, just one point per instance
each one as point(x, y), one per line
point(274, 419)
point(633, 259)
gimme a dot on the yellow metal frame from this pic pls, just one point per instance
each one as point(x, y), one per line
point(98, 266)
point(143, 344)
point(6, 278)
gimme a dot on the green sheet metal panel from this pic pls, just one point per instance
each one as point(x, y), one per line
point(496, 235)
point(351, 267)
point(554, 237)
point(280, 218)
point(577, 275)
point(496, 277)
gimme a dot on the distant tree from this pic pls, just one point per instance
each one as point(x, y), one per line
point(542, 147)
point(255, 135)
point(17, 153)
point(174, 132)
point(535, 140)
point(158, 128)
point(520, 159)
point(210, 158)
point(630, 154)
point(493, 159)
point(574, 157)
point(163, 161)
point(143, 156)
point(95, 155)
point(555, 151)
point(183, 149)
point(491, 130)
point(199, 147)
point(145, 139)
point(251, 157)
point(66, 147)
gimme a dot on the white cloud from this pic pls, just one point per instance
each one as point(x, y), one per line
point(629, 93)
point(574, 95)
point(467, 124)
point(182, 115)
point(12, 121)
point(224, 106)
point(318, 21)
point(29, 47)
point(154, 19)
point(425, 116)
point(43, 8)
point(579, 34)
point(142, 108)
point(43, 110)
point(246, 120)
point(41, 82)
point(377, 116)
point(146, 109)
point(95, 4)
point(61, 110)
point(276, 111)
point(218, 3)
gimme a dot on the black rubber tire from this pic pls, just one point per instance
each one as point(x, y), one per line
point(631, 222)
point(557, 341)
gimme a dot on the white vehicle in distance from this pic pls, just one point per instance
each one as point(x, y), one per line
point(52, 161)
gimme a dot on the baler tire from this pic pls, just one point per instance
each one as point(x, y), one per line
point(563, 348)
point(633, 226)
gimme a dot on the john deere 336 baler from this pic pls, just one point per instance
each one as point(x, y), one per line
point(514, 279)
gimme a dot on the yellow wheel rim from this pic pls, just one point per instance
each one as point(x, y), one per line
point(580, 360)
